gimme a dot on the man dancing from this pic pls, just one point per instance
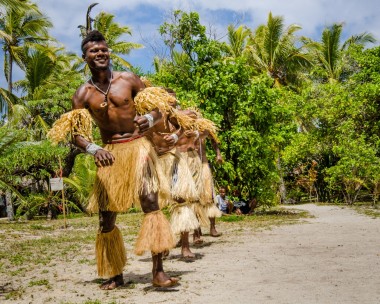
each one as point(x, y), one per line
point(183, 192)
point(127, 171)
point(207, 130)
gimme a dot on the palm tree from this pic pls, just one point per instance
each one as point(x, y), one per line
point(19, 28)
point(237, 40)
point(272, 49)
point(330, 53)
point(112, 31)
point(14, 4)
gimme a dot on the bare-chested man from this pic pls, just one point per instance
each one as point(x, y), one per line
point(126, 172)
point(208, 194)
point(186, 145)
point(183, 192)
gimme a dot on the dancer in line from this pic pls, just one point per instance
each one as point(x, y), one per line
point(127, 164)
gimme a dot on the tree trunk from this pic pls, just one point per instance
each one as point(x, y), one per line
point(10, 85)
point(9, 204)
point(282, 187)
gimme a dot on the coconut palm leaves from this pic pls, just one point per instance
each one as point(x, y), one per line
point(273, 49)
point(112, 31)
point(330, 53)
point(17, 29)
point(237, 40)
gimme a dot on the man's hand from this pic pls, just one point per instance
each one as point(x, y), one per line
point(142, 123)
point(190, 133)
point(170, 141)
point(219, 159)
point(103, 158)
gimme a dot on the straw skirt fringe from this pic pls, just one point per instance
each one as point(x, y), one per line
point(135, 170)
point(208, 193)
point(155, 234)
point(213, 211)
point(110, 253)
point(178, 177)
point(183, 219)
point(195, 166)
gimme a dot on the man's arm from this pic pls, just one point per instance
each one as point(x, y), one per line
point(215, 145)
point(102, 157)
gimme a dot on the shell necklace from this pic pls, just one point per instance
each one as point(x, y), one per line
point(105, 102)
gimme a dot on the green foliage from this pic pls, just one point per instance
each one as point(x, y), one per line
point(249, 113)
point(82, 178)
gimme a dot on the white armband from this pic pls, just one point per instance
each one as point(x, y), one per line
point(196, 134)
point(175, 137)
point(150, 119)
point(91, 148)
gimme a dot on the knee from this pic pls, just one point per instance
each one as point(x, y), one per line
point(107, 221)
point(149, 202)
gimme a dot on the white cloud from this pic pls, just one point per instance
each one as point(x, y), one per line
point(145, 16)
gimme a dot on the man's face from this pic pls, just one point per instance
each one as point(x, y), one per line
point(97, 55)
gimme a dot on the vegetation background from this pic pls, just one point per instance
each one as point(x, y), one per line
point(297, 118)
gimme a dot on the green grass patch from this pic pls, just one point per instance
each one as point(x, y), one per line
point(231, 218)
point(39, 283)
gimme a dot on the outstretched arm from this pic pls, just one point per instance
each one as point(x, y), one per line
point(215, 145)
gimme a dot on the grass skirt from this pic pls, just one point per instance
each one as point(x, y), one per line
point(135, 170)
point(208, 193)
point(183, 219)
point(195, 165)
point(213, 211)
point(178, 177)
point(155, 234)
point(110, 253)
point(201, 213)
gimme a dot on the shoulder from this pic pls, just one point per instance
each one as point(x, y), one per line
point(79, 99)
point(128, 76)
point(132, 79)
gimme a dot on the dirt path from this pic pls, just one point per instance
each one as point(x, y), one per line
point(332, 258)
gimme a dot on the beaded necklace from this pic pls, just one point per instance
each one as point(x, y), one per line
point(105, 102)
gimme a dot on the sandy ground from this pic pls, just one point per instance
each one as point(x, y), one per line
point(331, 258)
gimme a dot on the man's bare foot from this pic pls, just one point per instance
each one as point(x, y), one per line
point(214, 233)
point(198, 242)
point(197, 237)
point(113, 283)
point(165, 254)
point(161, 279)
point(187, 254)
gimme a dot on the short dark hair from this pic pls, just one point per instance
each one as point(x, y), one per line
point(92, 36)
point(169, 90)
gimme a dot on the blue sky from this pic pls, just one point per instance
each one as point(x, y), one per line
point(145, 16)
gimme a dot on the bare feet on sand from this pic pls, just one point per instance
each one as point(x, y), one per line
point(113, 282)
point(161, 279)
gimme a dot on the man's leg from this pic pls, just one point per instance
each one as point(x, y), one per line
point(156, 227)
point(197, 236)
point(213, 231)
point(110, 251)
point(185, 246)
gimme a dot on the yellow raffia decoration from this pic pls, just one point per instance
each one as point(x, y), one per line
point(204, 124)
point(184, 121)
point(146, 82)
point(153, 98)
point(75, 122)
